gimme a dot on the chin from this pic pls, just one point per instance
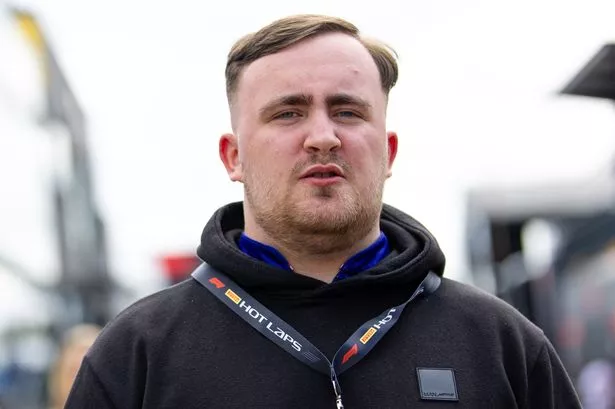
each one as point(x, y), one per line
point(323, 211)
point(323, 204)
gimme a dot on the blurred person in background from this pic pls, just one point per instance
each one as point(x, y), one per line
point(596, 384)
point(317, 265)
point(72, 350)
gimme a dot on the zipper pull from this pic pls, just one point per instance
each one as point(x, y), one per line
point(337, 390)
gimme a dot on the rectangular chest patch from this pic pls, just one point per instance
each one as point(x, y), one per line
point(437, 384)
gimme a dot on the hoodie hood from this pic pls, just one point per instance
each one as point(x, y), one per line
point(414, 253)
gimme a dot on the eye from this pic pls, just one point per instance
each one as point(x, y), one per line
point(286, 115)
point(347, 114)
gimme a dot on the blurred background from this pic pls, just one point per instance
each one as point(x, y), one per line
point(110, 114)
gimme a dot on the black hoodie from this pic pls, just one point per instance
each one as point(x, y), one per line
point(183, 348)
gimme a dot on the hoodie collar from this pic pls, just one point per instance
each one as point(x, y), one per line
point(414, 252)
point(363, 260)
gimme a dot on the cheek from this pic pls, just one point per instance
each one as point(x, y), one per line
point(277, 152)
point(368, 157)
point(267, 159)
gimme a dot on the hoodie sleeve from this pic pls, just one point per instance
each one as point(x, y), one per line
point(88, 391)
point(549, 385)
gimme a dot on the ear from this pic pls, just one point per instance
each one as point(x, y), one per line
point(229, 154)
point(392, 145)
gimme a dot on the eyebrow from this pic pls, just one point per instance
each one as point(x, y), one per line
point(307, 100)
point(347, 99)
point(287, 100)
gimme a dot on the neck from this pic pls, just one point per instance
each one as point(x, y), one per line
point(315, 256)
point(324, 266)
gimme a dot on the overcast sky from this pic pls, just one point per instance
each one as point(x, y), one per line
point(476, 104)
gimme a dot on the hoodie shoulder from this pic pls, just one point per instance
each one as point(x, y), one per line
point(475, 304)
point(148, 320)
point(116, 364)
point(490, 321)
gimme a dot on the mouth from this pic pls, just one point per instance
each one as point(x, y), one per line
point(322, 172)
point(322, 175)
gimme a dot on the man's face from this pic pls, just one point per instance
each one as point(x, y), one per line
point(310, 143)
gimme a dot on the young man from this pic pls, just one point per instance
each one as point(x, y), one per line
point(313, 293)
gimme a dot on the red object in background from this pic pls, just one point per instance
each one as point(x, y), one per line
point(612, 324)
point(572, 333)
point(177, 267)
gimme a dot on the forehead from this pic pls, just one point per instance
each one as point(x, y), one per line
point(320, 66)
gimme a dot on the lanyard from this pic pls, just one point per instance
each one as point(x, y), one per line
point(279, 332)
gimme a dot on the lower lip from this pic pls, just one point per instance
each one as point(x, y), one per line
point(323, 181)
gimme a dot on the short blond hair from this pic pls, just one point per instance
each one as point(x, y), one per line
point(285, 32)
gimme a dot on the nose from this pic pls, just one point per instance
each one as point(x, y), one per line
point(321, 135)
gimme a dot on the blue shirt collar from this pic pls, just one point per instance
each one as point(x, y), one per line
point(361, 261)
